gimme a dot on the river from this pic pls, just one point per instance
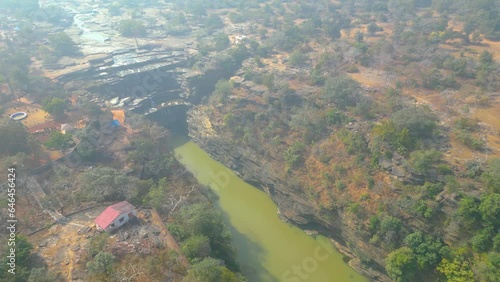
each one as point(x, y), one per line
point(268, 249)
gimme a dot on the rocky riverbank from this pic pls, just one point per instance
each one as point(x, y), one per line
point(293, 207)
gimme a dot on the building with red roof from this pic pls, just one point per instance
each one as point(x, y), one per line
point(115, 216)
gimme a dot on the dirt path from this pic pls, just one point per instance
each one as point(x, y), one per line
point(169, 240)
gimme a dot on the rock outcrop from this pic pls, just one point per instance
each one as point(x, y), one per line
point(293, 207)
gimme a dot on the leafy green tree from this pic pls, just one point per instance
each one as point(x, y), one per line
point(481, 242)
point(496, 243)
point(158, 166)
point(157, 193)
point(401, 265)
point(14, 138)
point(23, 261)
point(491, 175)
point(456, 270)
point(427, 250)
point(490, 209)
point(59, 141)
point(145, 150)
point(210, 270)
point(102, 264)
point(489, 270)
point(132, 28)
point(397, 139)
point(201, 219)
point(55, 106)
point(294, 154)
point(196, 247)
point(420, 121)
point(62, 44)
point(468, 211)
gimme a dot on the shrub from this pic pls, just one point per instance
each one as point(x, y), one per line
point(293, 155)
point(420, 121)
point(401, 265)
point(491, 175)
point(132, 28)
point(342, 90)
point(481, 242)
point(101, 264)
point(423, 161)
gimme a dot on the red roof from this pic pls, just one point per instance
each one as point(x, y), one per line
point(112, 212)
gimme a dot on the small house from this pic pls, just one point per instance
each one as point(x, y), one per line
point(115, 216)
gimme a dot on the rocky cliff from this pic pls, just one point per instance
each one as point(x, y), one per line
point(293, 206)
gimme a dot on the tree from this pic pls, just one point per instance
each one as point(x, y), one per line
point(427, 250)
point(221, 41)
point(486, 58)
point(202, 219)
point(213, 22)
point(420, 121)
point(490, 209)
point(491, 175)
point(359, 36)
point(342, 90)
point(91, 109)
point(456, 270)
point(423, 161)
point(23, 261)
point(158, 166)
point(101, 183)
point(372, 28)
point(489, 270)
point(468, 211)
point(132, 28)
point(297, 58)
point(196, 247)
point(294, 154)
point(223, 89)
point(401, 265)
point(55, 106)
point(14, 138)
point(59, 141)
point(210, 270)
point(481, 242)
point(156, 195)
point(102, 264)
point(62, 44)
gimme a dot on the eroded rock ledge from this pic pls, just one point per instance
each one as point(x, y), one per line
point(291, 204)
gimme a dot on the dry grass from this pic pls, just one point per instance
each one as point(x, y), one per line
point(371, 77)
point(490, 117)
point(35, 113)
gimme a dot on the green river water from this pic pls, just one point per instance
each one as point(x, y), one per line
point(268, 249)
